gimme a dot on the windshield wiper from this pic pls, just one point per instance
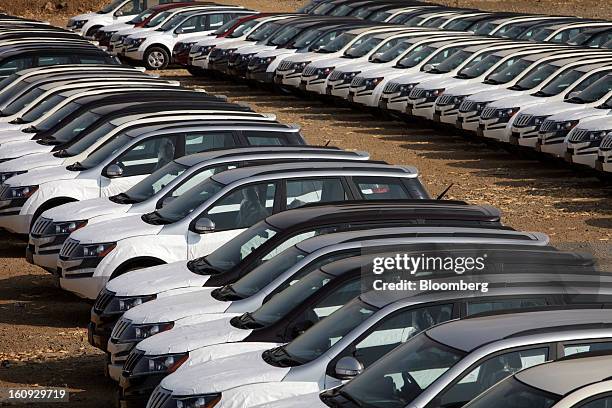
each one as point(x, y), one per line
point(492, 82)
point(576, 99)
point(122, 198)
point(155, 218)
point(17, 121)
point(461, 76)
point(279, 357)
point(201, 266)
point(62, 154)
point(226, 294)
point(30, 129)
point(246, 321)
point(541, 94)
point(48, 141)
point(76, 167)
point(517, 88)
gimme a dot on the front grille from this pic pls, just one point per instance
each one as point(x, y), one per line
point(467, 106)
point(487, 113)
point(4, 189)
point(41, 226)
point(358, 81)
point(69, 247)
point(523, 120)
point(579, 135)
point(606, 142)
point(335, 75)
point(159, 398)
point(285, 65)
point(391, 87)
point(120, 327)
point(309, 70)
point(547, 126)
point(103, 299)
point(417, 93)
point(131, 361)
point(446, 100)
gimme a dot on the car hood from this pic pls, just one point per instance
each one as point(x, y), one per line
point(217, 42)
point(417, 77)
point(275, 52)
point(86, 209)
point(171, 308)
point(253, 49)
point(31, 162)
point(380, 72)
point(134, 30)
point(494, 95)
point(84, 16)
point(22, 148)
point(192, 337)
point(428, 81)
point(592, 119)
point(309, 56)
point(156, 279)
point(223, 374)
point(325, 62)
point(10, 126)
point(38, 177)
point(461, 88)
point(546, 107)
point(311, 400)
point(116, 27)
point(518, 100)
point(150, 35)
point(115, 230)
point(14, 135)
point(235, 44)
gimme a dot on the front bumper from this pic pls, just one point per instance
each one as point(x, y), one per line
point(12, 221)
point(100, 328)
point(136, 390)
point(525, 136)
point(551, 143)
point(135, 55)
point(118, 354)
point(260, 75)
point(492, 129)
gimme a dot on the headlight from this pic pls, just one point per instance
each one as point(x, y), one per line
point(372, 83)
point(348, 76)
point(480, 106)
point(204, 49)
point(565, 125)
point(79, 23)
point(323, 73)
point(93, 250)
point(434, 93)
point(21, 192)
point(65, 228)
point(598, 135)
point(166, 364)
point(506, 113)
point(538, 120)
point(198, 401)
point(142, 331)
point(407, 88)
point(120, 305)
point(135, 42)
point(7, 175)
point(267, 60)
point(299, 66)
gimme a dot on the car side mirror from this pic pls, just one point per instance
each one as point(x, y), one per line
point(114, 171)
point(118, 13)
point(203, 226)
point(178, 31)
point(572, 95)
point(429, 67)
point(348, 367)
point(167, 200)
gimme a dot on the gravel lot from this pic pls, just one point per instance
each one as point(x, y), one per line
point(43, 337)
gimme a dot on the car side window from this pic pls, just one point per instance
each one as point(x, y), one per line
point(397, 329)
point(45, 60)
point(131, 7)
point(214, 21)
point(91, 59)
point(190, 25)
point(199, 142)
point(291, 241)
point(147, 156)
point(488, 373)
point(305, 191)
point(598, 402)
point(262, 138)
point(578, 348)
point(198, 178)
point(474, 307)
point(381, 188)
point(243, 207)
point(13, 65)
point(589, 81)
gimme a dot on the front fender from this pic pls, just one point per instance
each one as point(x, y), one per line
point(255, 394)
point(166, 248)
point(217, 351)
point(75, 189)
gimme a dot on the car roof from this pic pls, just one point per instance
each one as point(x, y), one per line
point(388, 209)
point(470, 333)
point(277, 170)
point(204, 124)
point(564, 376)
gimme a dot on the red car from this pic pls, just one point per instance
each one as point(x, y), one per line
point(180, 52)
point(103, 36)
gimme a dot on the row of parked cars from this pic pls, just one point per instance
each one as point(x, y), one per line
point(226, 257)
point(541, 83)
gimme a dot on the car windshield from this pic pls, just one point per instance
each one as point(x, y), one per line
point(21, 102)
point(153, 183)
point(400, 18)
point(172, 23)
point(512, 393)
point(323, 335)
point(223, 29)
point(458, 25)
point(323, 8)
point(391, 53)
point(594, 92)
point(535, 77)
point(158, 19)
point(416, 56)
point(538, 35)
point(476, 68)
point(507, 71)
point(337, 43)
point(73, 128)
point(484, 28)
point(41, 108)
point(105, 151)
point(560, 83)
point(265, 273)
point(363, 48)
point(110, 7)
point(263, 31)
point(283, 36)
point(606, 105)
point(380, 16)
point(403, 374)
point(182, 206)
point(306, 38)
point(342, 11)
point(75, 147)
point(233, 252)
point(53, 119)
point(243, 29)
point(452, 62)
point(8, 80)
point(141, 17)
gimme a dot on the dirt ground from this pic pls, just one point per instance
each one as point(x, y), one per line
point(43, 337)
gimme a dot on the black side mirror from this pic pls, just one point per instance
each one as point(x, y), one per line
point(348, 367)
point(114, 171)
point(203, 226)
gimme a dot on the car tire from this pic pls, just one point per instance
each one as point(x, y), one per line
point(156, 58)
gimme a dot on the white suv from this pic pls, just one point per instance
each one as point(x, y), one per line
point(585, 139)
